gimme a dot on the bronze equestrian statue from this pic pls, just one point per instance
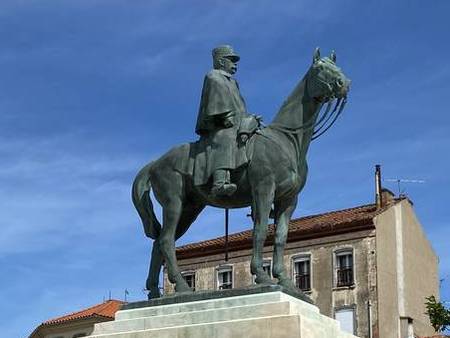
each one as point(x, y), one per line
point(273, 173)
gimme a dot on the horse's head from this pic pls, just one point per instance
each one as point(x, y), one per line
point(325, 80)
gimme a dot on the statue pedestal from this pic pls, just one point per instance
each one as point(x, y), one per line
point(265, 313)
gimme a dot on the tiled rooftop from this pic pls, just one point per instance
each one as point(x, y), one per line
point(107, 309)
point(325, 224)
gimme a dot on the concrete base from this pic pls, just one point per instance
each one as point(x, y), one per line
point(260, 315)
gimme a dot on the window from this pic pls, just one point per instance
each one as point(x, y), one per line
point(189, 277)
point(302, 272)
point(344, 268)
point(225, 277)
point(267, 267)
point(346, 318)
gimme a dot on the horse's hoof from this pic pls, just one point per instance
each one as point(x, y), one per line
point(264, 279)
point(184, 292)
point(153, 293)
point(183, 289)
point(288, 284)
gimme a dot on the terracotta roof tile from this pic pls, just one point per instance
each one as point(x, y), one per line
point(330, 223)
point(107, 309)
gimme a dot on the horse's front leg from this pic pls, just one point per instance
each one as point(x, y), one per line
point(283, 214)
point(263, 196)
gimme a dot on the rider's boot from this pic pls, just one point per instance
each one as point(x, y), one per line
point(221, 183)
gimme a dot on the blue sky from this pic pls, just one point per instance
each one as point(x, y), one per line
point(92, 90)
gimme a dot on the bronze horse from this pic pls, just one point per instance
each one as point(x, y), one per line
point(275, 175)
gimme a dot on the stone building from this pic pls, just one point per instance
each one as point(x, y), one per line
point(77, 324)
point(370, 266)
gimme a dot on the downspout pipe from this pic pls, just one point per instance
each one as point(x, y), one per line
point(378, 195)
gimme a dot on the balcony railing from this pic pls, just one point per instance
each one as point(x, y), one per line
point(345, 276)
point(303, 281)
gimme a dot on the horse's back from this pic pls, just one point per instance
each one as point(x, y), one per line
point(176, 159)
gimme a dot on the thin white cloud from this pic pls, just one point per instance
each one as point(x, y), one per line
point(48, 195)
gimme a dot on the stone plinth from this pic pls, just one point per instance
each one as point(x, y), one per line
point(268, 314)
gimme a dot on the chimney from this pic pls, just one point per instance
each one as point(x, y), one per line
point(378, 195)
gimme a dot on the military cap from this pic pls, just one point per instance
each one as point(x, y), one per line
point(225, 51)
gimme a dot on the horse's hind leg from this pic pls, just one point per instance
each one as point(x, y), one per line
point(152, 284)
point(171, 216)
point(168, 188)
point(188, 216)
point(283, 213)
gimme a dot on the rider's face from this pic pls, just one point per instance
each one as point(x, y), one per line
point(229, 65)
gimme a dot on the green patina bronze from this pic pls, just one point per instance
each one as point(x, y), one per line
point(236, 163)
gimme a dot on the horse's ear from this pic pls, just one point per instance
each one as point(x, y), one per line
point(316, 56)
point(333, 56)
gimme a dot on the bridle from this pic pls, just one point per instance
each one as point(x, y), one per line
point(319, 127)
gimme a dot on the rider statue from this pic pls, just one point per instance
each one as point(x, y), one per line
point(222, 121)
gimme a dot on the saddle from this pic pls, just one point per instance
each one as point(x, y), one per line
point(199, 166)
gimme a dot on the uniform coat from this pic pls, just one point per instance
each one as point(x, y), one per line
point(220, 101)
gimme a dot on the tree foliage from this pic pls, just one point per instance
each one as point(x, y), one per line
point(438, 314)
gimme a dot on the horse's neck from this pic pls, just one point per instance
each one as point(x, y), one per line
point(298, 113)
point(296, 109)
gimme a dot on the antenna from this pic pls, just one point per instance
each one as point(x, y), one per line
point(400, 181)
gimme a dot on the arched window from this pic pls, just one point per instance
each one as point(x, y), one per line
point(189, 277)
point(225, 277)
point(302, 271)
point(344, 267)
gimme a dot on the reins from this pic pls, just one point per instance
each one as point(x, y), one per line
point(317, 133)
point(321, 123)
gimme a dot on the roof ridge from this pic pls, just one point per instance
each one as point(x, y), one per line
point(356, 218)
point(335, 211)
point(291, 221)
point(88, 312)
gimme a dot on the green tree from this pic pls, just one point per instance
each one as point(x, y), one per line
point(438, 314)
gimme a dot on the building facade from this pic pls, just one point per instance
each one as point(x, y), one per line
point(370, 266)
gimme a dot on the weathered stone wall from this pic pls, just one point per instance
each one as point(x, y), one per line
point(407, 271)
point(395, 269)
point(323, 290)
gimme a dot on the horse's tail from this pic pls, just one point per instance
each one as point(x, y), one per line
point(143, 203)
